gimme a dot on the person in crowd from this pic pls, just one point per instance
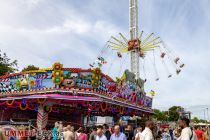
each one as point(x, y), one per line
point(187, 132)
point(81, 134)
point(208, 132)
point(69, 134)
point(63, 133)
point(2, 136)
point(33, 137)
point(166, 135)
point(117, 135)
point(171, 133)
point(155, 130)
point(106, 131)
point(159, 135)
point(129, 132)
point(199, 133)
point(147, 133)
point(138, 134)
point(55, 131)
point(93, 133)
point(137, 130)
point(111, 130)
point(100, 134)
point(205, 135)
point(74, 133)
point(177, 133)
point(60, 130)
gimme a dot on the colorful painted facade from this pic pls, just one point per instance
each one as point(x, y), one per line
point(84, 91)
point(125, 87)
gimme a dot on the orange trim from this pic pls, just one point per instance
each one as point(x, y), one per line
point(22, 108)
point(41, 101)
point(121, 110)
point(9, 103)
point(103, 109)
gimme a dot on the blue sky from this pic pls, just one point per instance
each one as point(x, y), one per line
point(73, 32)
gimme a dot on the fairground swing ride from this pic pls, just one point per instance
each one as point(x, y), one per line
point(142, 48)
point(60, 93)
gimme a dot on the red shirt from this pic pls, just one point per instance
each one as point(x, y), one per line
point(82, 136)
point(199, 134)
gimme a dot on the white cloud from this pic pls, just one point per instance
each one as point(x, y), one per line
point(27, 43)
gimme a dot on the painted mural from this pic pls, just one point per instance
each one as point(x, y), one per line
point(125, 87)
point(27, 82)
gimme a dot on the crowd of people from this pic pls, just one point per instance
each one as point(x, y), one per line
point(150, 132)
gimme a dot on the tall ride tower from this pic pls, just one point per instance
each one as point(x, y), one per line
point(134, 43)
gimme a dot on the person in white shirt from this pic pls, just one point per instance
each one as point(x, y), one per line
point(100, 135)
point(187, 132)
point(138, 133)
point(147, 133)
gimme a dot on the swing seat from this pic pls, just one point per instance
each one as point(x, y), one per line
point(101, 58)
point(176, 60)
point(182, 65)
point(162, 55)
point(119, 54)
point(178, 71)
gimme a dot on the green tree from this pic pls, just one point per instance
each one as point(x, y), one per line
point(173, 114)
point(6, 65)
point(160, 115)
point(203, 121)
point(30, 68)
point(195, 120)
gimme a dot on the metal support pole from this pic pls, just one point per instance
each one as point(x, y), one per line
point(204, 113)
point(29, 128)
point(133, 27)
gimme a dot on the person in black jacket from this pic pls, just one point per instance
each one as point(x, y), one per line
point(129, 132)
point(93, 133)
point(106, 131)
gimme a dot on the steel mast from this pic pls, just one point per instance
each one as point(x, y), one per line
point(133, 27)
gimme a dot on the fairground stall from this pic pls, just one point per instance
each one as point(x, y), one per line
point(70, 94)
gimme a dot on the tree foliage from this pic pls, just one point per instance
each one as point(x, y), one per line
point(30, 68)
point(195, 120)
point(202, 121)
point(6, 65)
point(160, 115)
point(170, 115)
point(173, 114)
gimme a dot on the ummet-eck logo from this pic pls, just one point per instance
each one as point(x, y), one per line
point(12, 132)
